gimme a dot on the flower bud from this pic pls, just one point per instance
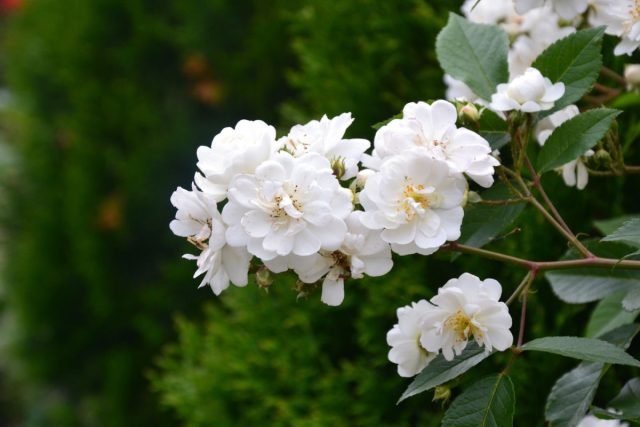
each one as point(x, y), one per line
point(443, 393)
point(632, 76)
point(338, 167)
point(263, 277)
point(473, 197)
point(468, 114)
point(363, 175)
point(602, 158)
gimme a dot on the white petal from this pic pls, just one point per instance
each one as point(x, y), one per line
point(236, 263)
point(332, 292)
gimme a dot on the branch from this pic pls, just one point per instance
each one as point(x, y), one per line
point(632, 169)
point(593, 262)
point(554, 218)
point(608, 72)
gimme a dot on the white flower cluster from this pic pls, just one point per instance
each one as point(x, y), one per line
point(293, 202)
point(532, 26)
point(464, 308)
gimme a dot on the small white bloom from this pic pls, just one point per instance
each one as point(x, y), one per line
point(530, 92)
point(490, 12)
point(574, 173)
point(539, 30)
point(233, 151)
point(290, 205)
point(198, 220)
point(530, 32)
point(432, 129)
point(416, 201)
point(404, 340)
point(362, 252)
point(326, 137)
point(591, 421)
point(467, 307)
point(566, 9)
point(622, 19)
point(546, 126)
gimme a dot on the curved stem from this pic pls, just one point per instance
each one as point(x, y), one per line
point(526, 282)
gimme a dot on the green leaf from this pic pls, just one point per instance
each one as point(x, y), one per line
point(628, 401)
point(591, 349)
point(622, 336)
point(628, 233)
point(631, 301)
point(482, 223)
point(575, 136)
point(474, 53)
point(604, 414)
point(488, 402)
point(580, 285)
point(440, 370)
point(572, 394)
point(608, 315)
point(574, 60)
point(493, 128)
point(608, 226)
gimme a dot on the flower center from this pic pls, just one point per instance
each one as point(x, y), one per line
point(415, 200)
point(461, 326)
point(634, 11)
point(285, 207)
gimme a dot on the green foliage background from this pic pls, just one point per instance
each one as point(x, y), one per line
point(112, 98)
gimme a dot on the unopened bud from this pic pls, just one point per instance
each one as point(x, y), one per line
point(602, 157)
point(263, 277)
point(632, 76)
point(363, 175)
point(469, 113)
point(443, 393)
point(473, 197)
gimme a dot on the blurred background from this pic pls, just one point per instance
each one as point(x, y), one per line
point(103, 104)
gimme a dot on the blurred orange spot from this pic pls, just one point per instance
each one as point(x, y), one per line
point(204, 87)
point(207, 92)
point(109, 216)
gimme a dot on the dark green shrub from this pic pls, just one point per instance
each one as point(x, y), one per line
point(112, 98)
